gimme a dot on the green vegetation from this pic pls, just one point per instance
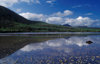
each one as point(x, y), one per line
point(44, 27)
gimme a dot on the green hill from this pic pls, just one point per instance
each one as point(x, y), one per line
point(12, 22)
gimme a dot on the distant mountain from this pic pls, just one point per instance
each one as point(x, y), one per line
point(12, 22)
point(67, 25)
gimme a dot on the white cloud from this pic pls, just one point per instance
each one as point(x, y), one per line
point(65, 13)
point(30, 1)
point(58, 17)
point(80, 21)
point(50, 1)
point(54, 20)
point(32, 16)
point(9, 3)
point(68, 12)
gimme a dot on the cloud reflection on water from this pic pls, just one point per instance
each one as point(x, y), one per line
point(61, 43)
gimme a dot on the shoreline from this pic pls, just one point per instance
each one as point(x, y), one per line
point(48, 33)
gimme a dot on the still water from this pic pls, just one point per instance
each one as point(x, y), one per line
point(73, 49)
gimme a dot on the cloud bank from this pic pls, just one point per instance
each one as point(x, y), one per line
point(62, 18)
point(33, 16)
point(9, 3)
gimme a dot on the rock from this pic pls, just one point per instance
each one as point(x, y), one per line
point(89, 42)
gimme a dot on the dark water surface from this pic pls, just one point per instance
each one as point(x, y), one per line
point(71, 49)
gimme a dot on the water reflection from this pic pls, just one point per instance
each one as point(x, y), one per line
point(73, 49)
point(10, 44)
point(61, 42)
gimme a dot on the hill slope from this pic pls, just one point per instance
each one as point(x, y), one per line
point(12, 22)
point(8, 17)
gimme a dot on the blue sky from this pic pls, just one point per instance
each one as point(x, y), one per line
point(73, 12)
